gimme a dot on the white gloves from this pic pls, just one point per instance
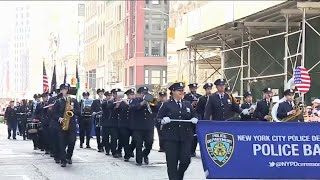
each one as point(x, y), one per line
point(194, 120)
point(165, 120)
point(245, 112)
point(60, 120)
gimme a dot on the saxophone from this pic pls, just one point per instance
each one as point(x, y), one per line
point(270, 119)
point(67, 115)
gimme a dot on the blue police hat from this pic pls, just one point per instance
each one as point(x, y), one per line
point(143, 89)
point(85, 94)
point(193, 85)
point(115, 90)
point(100, 90)
point(246, 94)
point(162, 94)
point(129, 91)
point(65, 86)
point(267, 90)
point(207, 85)
point(220, 82)
point(176, 86)
point(288, 92)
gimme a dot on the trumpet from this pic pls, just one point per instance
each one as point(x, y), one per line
point(121, 100)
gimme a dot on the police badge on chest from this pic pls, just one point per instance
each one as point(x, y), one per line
point(188, 110)
point(229, 101)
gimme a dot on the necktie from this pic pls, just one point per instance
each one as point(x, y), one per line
point(179, 104)
point(221, 100)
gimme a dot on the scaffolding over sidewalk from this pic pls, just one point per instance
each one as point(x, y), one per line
point(285, 20)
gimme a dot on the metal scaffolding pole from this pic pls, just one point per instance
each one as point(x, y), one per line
point(241, 73)
point(223, 59)
point(286, 41)
point(249, 65)
point(303, 43)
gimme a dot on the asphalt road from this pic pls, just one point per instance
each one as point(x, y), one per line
point(18, 161)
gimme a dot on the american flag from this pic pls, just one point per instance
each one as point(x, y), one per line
point(45, 80)
point(302, 79)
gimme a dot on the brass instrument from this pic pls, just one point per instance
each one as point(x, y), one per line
point(299, 111)
point(270, 119)
point(154, 102)
point(67, 115)
point(233, 99)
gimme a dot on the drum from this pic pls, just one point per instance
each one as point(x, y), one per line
point(32, 128)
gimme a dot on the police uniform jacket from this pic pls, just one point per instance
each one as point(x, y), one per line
point(192, 97)
point(59, 110)
point(177, 131)
point(283, 109)
point(23, 109)
point(262, 109)
point(246, 117)
point(106, 113)
point(115, 115)
point(201, 105)
point(124, 116)
point(96, 106)
point(142, 119)
point(53, 122)
point(11, 114)
point(155, 110)
point(42, 114)
point(220, 109)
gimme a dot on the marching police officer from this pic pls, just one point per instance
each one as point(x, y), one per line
point(106, 113)
point(67, 138)
point(24, 111)
point(221, 106)
point(143, 125)
point(201, 105)
point(286, 108)
point(177, 136)
point(10, 117)
point(155, 110)
point(263, 107)
point(96, 107)
point(247, 105)
point(85, 121)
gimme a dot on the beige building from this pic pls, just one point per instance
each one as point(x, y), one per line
point(188, 18)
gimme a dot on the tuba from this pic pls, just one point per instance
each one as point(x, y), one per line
point(67, 115)
point(299, 112)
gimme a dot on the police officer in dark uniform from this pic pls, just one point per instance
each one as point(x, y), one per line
point(193, 98)
point(124, 125)
point(162, 98)
point(263, 107)
point(42, 115)
point(142, 125)
point(201, 105)
point(247, 105)
point(85, 121)
point(106, 114)
point(67, 137)
point(221, 106)
point(10, 117)
point(177, 136)
point(24, 114)
point(286, 108)
point(96, 107)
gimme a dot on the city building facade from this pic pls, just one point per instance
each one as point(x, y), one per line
point(145, 43)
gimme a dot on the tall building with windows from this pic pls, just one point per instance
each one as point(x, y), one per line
point(146, 43)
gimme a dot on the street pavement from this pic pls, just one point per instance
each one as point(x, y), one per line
point(18, 161)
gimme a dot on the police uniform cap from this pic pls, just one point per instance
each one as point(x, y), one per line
point(115, 90)
point(266, 90)
point(44, 94)
point(162, 94)
point(64, 86)
point(220, 82)
point(246, 94)
point(193, 85)
point(288, 92)
point(143, 89)
point(107, 93)
point(35, 96)
point(85, 94)
point(207, 85)
point(129, 91)
point(100, 90)
point(176, 86)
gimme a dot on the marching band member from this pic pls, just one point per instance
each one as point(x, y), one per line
point(124, 125)
point(67, 136)
point(285, 108)
point(85, 120)
point(193, 98)
point(220, 105)
point(106, 113)
point(201, 105)
point(247, 105)
point(142, 125)
point(96, 107)
point(10, 117)
point(162, 98)
point(263, 107)
point(24, 110)
point(177, 136)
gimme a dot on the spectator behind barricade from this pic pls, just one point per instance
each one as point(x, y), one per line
point(315, 114)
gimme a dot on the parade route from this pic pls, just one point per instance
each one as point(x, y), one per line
point(18, 161)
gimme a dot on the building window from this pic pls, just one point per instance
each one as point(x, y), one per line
point(147, 1)
point(120, 13)
point(156, 25)
point(131, 75)
point(155, 2)
point(156, 77)
point(164, 77)
point(155, 48)
point(126, 77)
point(146, 76)
point(146, 48)
point(146, 25)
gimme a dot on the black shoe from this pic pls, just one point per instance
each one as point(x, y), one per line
point(132, 155)
point(88, 146)
point(69, 161)
point(126, 159)
point(9, 137)
point(107, 153)
point(161, 150)
point(51, 155)
point(81, 146)
point(14, 138)
point(119, 155)
point(47, 152)
point(115, 155)
point(42, 149)
point(139, 164)
point(57, 161)
point(99, 150)
point(193, 155)
point(146, 160)
point(63, 164)
point(24, 139)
